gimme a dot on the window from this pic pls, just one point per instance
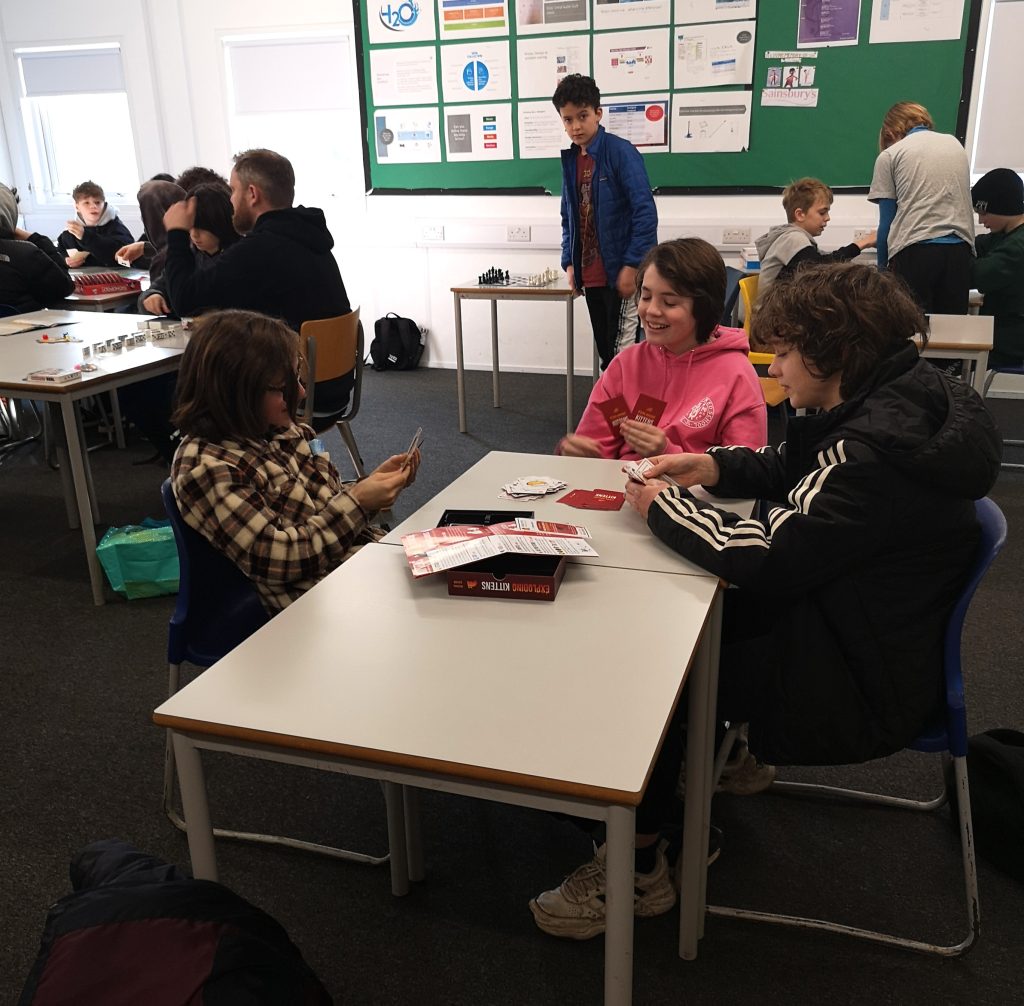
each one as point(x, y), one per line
point(77, 121)
point(294, 94)
point(998, 143)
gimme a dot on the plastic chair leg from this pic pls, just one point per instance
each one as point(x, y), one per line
point(353, 449)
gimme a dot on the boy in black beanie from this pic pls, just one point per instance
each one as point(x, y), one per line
point(998, 271)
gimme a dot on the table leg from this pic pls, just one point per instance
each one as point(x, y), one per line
point(618, 939)
point(700, 738)
point(413, 834)
point(67, 486)
point(570, 365)
point(115, 418)
point(494, 354)
point(85, 464)
point(460, 376)
point(195, 808)
point(78, 463)
point(394, 799)
point(980, 371)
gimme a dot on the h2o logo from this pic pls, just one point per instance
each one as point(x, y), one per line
point(397, 15)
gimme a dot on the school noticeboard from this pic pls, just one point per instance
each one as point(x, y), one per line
point(719, 95)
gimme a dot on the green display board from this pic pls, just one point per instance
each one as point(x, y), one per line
point(836, 141)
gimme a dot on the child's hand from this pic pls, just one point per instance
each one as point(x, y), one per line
point(181, 216)
point(643, 438)
point(76, 257)
point(686, 469)
point(640, 497)
point(127, 254)
point(868, 241)
point(625, 284)
point(155, 304)
point(574, 446)
point(570, 277)
point(77, 228)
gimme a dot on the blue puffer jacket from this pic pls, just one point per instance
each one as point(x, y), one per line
point(627, 220)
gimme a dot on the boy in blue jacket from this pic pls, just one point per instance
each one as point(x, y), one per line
point(609, 221)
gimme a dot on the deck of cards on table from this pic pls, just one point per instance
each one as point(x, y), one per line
point(532, 487)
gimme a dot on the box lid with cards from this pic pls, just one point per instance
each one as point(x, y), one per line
point(497, 553)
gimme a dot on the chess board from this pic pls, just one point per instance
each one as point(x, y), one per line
point(516, 279)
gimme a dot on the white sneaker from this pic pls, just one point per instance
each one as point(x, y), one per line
point(575, 909)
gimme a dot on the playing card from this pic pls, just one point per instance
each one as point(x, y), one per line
point(613, 409)
point(593, 499)
point(648, 409)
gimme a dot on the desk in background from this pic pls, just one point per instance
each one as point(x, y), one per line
point(555, 292)
point(455, 702)
point(20, 354)
point(966, 337)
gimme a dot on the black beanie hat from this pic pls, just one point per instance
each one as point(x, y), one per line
point(999, 191)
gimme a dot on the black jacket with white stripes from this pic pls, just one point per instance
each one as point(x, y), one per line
point(869, 534)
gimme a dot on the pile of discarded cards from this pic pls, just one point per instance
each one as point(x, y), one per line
point(532, 487)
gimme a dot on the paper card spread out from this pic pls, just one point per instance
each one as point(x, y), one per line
point(448, 547)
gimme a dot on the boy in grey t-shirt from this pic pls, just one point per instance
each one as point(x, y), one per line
point(922, 185)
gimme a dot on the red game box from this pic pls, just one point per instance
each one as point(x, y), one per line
point(90, 284)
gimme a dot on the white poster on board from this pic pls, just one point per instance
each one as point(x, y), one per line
point(478, 133)
point(631, 13)
point(471, 18)
point(404, 76)
point(711, 121)
point(915, 20)
point(541, 133)
point(397, 22)
point(710, 55)
point(474, 71)
point(542, 62)
point(643, 121)
point(632, 60)
point(693, 11)
point(406, 135)
point(536, 16)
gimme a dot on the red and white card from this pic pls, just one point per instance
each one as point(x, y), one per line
point(614, 410)
point(648, 409)
point(594, 499)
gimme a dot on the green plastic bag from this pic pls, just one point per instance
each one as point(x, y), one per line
point(140, 560)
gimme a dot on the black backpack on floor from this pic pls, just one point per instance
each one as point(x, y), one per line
point(397, 343)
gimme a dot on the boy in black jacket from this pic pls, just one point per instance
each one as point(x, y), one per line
point(96, 233)
point(32, 271)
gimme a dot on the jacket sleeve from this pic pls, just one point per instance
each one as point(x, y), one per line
point(193, 290)
point(105, 245)
point(996, 269)
point(811, 254)
point(232, 514)
point(45, 273)
point(645, 214)
point(838, 516)
point(745, 472)
point(66, 242)
point(567, 229)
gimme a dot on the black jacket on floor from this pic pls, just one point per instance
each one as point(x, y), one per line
point(855, 570)
point(32, 273)
point(137, 930)
point(283, 267)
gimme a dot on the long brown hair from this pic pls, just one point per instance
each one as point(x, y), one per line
point(900, 120)
point(841, 318)
point(231, 360)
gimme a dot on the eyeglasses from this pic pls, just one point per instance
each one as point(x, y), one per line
point(281, 389)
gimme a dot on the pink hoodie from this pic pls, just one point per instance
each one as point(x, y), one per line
point(713, 394)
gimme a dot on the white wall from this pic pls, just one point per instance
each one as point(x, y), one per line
point(172, 52)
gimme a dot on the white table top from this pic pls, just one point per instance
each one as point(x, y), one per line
point(568, 696)
point(620, 536)
point(22, 353)
point(959, 331)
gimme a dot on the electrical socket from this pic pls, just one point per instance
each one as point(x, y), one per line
point(862, 232)
point(517, 232)
point(736, 236)
point(432, 232)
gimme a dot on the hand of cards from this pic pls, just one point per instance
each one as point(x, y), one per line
point(636, 470)
point(647, 409)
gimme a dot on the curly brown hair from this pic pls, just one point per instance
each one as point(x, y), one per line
point(231, 359)
point(842, 318)
point(900, 120)
point(693, 268)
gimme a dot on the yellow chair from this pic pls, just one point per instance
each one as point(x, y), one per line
point(334, 360)
point(770, 388)
point(748, 294)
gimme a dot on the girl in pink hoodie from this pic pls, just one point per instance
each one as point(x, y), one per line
point(698, 368)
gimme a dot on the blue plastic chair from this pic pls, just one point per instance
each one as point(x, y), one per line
point(989, 378)
point(218, 608)
point(946, 736)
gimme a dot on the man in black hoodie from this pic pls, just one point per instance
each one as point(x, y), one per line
point(283, 267)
